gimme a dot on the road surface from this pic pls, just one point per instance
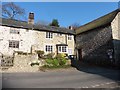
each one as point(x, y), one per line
point(84, 78)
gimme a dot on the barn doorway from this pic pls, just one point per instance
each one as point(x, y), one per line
point(80, 54)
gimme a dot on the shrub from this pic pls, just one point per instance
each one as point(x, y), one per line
point(62, 62)
point(58, 61)
point(52, 62)
point(49, 55)
point(61, 58)
point(49, 62)
point(40, 53)
point(55, 62)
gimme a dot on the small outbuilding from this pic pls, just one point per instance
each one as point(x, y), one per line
point(99, 40)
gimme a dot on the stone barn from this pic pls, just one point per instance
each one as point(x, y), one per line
point(99, 40)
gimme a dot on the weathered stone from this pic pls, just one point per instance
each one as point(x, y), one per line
point(95, 43)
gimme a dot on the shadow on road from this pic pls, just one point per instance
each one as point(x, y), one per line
point(110, 73)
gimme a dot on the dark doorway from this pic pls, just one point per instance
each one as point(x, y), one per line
point(80, 54)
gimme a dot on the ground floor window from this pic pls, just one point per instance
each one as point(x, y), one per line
point(49, 48)
point(13, 44)
point(62, 49)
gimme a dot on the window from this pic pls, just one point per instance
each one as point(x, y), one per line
point(14, 31)
point(69, 37)
point(62, 48)
point(14, 44)
point(49, 48)
point(49, 35)
point(59, 34)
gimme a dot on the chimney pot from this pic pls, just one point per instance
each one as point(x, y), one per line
point(31, 18)
point(70, 27)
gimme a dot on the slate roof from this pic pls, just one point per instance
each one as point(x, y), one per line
point(24, 24)
point(104, 20)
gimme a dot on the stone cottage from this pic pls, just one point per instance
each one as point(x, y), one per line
point(99, 40)
point(27, 37)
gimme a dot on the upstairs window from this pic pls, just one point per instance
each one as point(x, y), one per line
point(69, 37)
point(14, 31)
point(49, 48)
point(59, 34)
point(14, 44)
point(49, 35)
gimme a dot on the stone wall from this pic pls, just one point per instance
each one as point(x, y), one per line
point(116, 37)
point(22, 64)
point(25, 38)
point(95, 43)
point(31, 39)
point(42, 41)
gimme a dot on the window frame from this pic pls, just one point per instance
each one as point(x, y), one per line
point(14, 31)
point(13, 44)
point(49, 35)
point(59, 34)
point(62, 49)
point(48, 48)
point(69, 37)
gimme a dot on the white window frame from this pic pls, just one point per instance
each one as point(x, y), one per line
point(49, 35)
point(61, 49)
point(59, 34)
point(69, 37)
point(13, 44)
point(49, 48)
point(14, 31)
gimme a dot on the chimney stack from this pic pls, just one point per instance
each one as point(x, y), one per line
point(31, 18)
point(70, 27)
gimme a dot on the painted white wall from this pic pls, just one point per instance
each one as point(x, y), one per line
point(24, 38)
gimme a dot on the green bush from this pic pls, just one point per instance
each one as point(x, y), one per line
point(61, 58)
point(55, 62)
point(49, 55)
point(48, 62)
point(62, 62)
point(58, 61)
point(52, 62)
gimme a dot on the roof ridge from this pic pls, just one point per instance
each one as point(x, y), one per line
point(14, 20)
